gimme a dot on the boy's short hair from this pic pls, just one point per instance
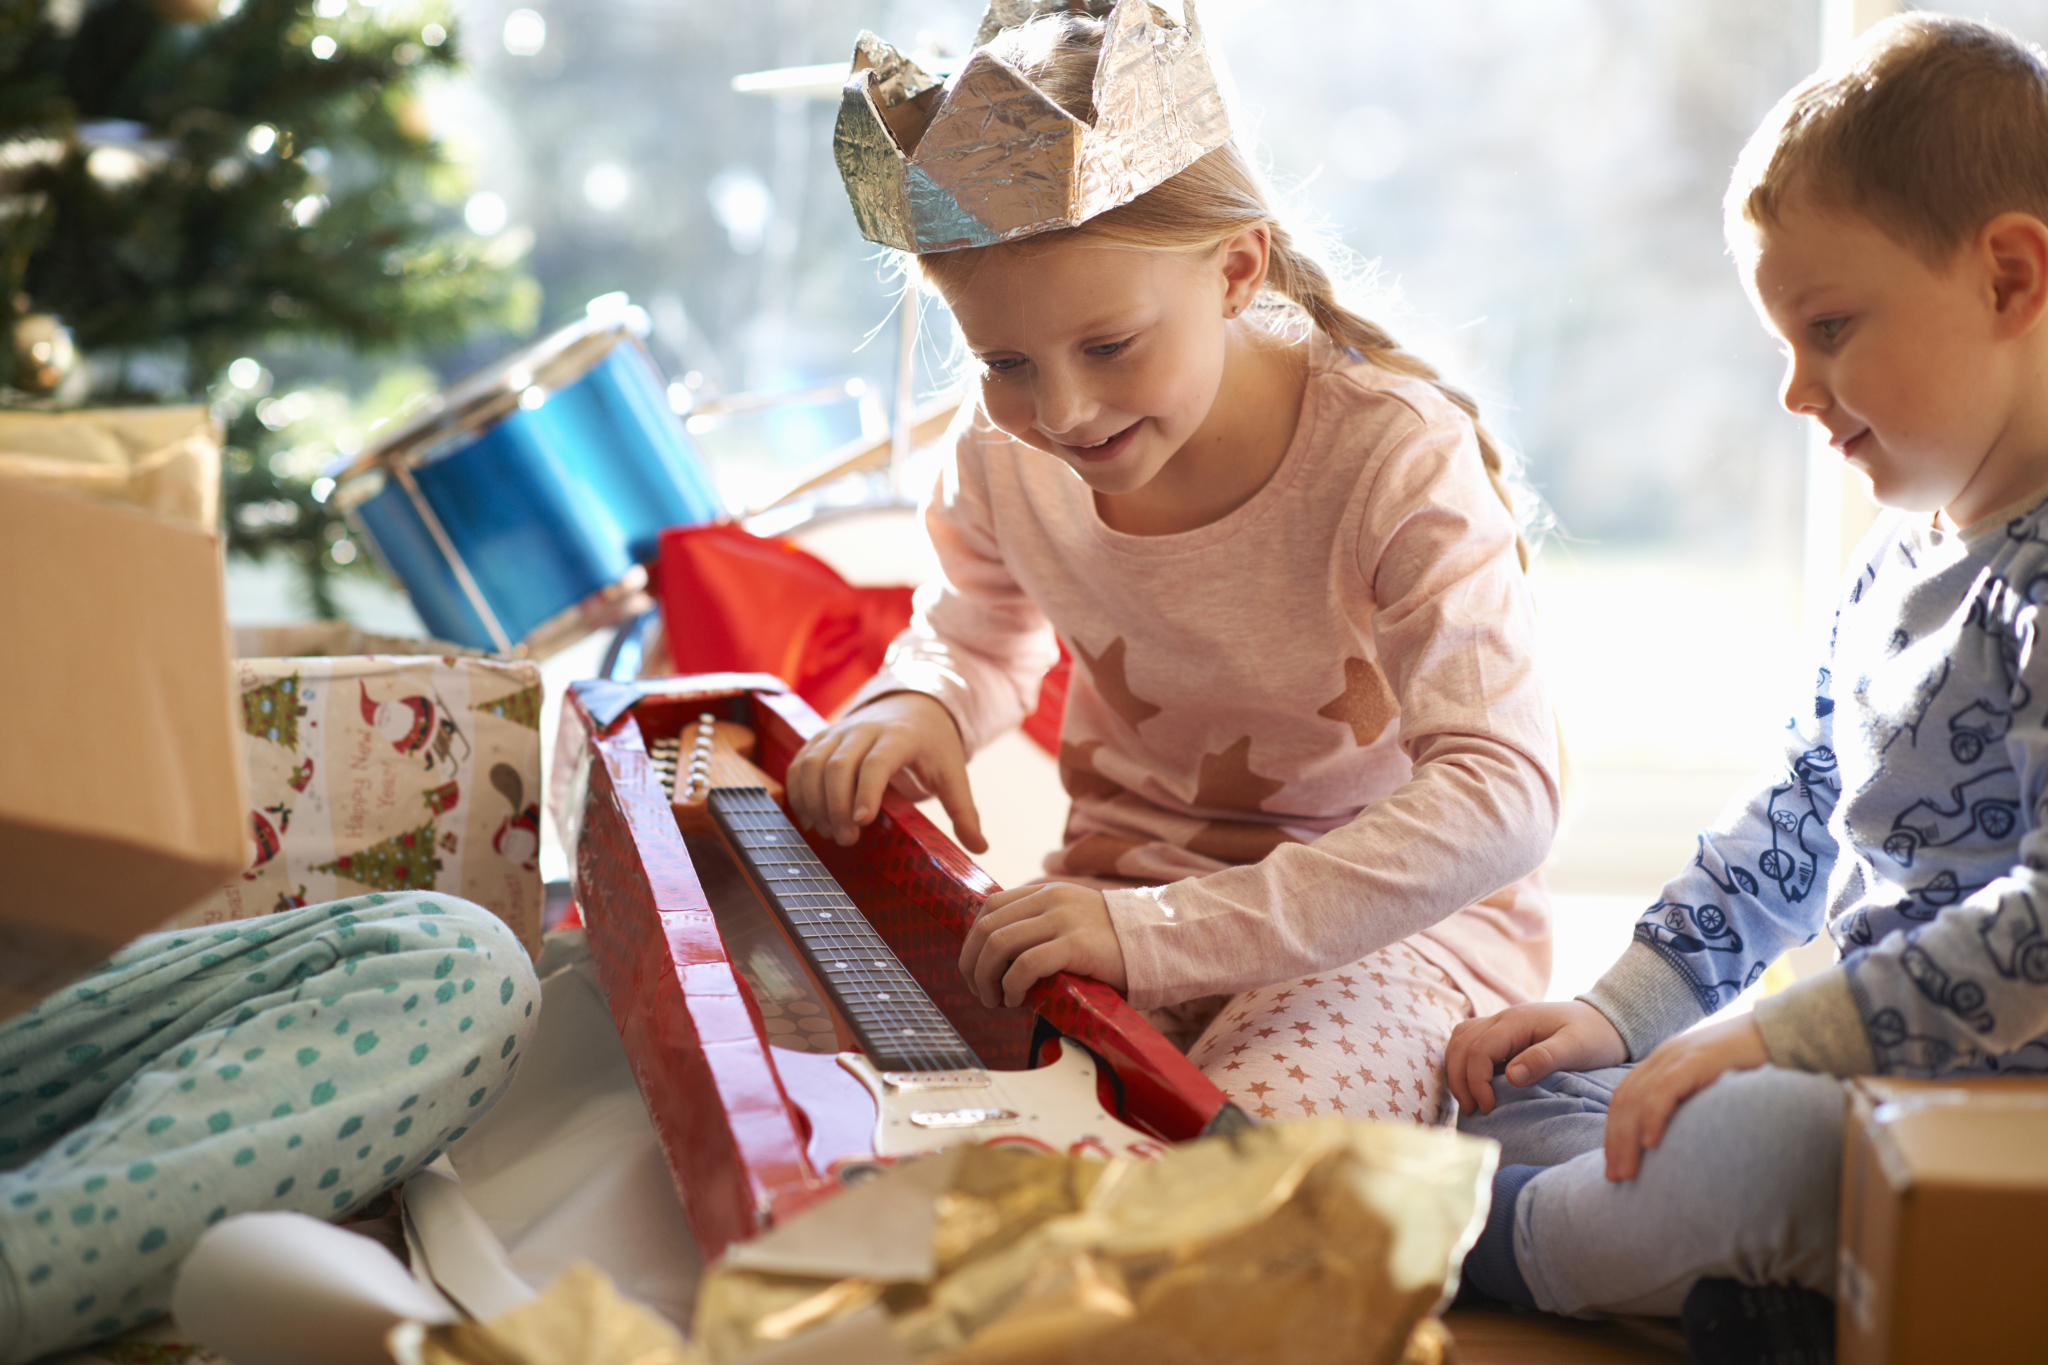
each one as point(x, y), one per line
point(1932, 127)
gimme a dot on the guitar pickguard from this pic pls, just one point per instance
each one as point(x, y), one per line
point(859, 1116)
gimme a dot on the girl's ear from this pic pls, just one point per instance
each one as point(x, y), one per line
point(1243, 259)
point(2016, 246)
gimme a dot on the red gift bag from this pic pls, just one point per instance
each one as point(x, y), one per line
point(734, 602)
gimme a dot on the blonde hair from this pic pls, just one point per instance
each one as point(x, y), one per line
point(1932, 127)
point(1206, 204)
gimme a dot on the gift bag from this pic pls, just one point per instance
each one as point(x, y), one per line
point(372, 773)
point(736, 603)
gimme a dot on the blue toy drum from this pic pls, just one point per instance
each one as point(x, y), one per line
point(520, 507)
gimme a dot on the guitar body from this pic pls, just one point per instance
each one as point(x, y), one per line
point(793, 1011)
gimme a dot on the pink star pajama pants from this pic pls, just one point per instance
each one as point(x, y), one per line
point(1366, 1040)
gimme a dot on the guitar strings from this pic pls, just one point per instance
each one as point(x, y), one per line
point(855, 954)
point(889, 1007)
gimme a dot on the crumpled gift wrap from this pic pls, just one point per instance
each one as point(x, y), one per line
point(163, 460)
point(1322, 1240)
point(373, 773)
point(581, 1320)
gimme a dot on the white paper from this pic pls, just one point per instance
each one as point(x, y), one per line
point(567, 1166)
point(285, 1289)
point(460, 1252)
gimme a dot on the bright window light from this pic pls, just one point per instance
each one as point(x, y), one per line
point(607, 186)
point(525, 32)
point(485, 213)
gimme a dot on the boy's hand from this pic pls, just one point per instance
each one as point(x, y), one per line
point(835, 782)
point(1023, 936)
point(1533, 1041)
point(1675, 1069)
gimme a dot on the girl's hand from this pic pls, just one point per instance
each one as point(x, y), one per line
point(835, 782)
point(1025, 935)
point(1532, 1041)
point(1677, 1068)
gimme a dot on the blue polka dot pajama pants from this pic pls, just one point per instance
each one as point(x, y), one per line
point(307, 1061)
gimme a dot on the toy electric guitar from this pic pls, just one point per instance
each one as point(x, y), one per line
point(928, 1088)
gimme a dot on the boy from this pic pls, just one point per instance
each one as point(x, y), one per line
point(1891, 222)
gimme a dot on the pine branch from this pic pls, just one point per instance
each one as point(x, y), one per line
point(191, 193)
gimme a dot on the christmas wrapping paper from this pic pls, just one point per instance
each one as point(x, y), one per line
point(389, 773)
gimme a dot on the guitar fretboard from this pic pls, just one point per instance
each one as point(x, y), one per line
point(898, 1026)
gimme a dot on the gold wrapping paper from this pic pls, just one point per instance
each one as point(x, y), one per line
point(1324, 1240)
point(580, 1320)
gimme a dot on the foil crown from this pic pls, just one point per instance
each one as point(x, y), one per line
point(990, 158)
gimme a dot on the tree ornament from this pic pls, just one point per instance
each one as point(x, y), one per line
point(185, 11)
point(41, 355)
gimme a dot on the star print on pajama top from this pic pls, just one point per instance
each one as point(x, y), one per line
point(1294, 737)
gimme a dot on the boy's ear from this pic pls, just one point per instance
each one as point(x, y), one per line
point(2016, 246)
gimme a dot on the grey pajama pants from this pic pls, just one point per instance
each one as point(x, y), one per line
point(305, 1061)
point(1744, 1185)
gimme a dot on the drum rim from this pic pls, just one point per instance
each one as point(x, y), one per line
point(484, 395)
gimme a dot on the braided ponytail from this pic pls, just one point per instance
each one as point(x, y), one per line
point(1301, 280)
point(1209, 202)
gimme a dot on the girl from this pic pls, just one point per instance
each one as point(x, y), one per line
point(1306, 742)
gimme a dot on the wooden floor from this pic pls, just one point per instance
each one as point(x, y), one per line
point(1511, 1338)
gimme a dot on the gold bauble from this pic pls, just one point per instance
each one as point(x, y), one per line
point(42, 353)
point(185, 11)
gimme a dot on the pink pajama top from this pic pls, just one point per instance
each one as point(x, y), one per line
point(1293, 736)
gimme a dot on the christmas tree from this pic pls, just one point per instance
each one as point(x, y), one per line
point(271, 711)
point(186, 182)
point(404, 862)
point(521, 708)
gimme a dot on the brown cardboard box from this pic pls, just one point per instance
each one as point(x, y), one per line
point(1944, 1222)
point(121, 795)
point(163, 460)
point(388, 773)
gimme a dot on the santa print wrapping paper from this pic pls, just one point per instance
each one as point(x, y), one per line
point(374, 773)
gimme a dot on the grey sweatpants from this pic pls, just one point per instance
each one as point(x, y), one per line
point(1743, 1186)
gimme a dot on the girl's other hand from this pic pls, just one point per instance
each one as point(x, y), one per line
point(835, 782)
point(1529, 1042)
point(1023, 936)
point(1675, 1070)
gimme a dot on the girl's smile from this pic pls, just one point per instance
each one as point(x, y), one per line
point(1107, 448)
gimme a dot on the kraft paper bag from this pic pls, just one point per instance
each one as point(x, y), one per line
point(121, 789)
